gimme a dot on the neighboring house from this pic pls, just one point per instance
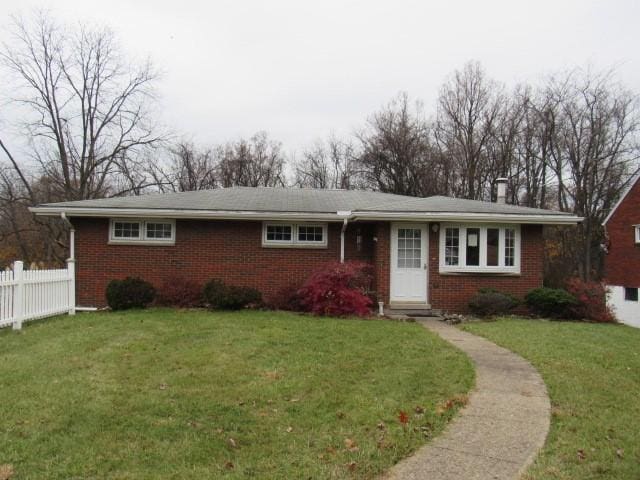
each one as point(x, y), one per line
point(622, 262)
point(427, 252)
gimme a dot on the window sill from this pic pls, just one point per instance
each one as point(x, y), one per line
point(295, 245)
point(484, 272)
point(168, 243)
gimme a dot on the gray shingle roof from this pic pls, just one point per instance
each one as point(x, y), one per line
point(299, 200)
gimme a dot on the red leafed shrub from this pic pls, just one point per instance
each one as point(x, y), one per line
point(339, 289)
point(181, 293)
point(592, 301)
point(286, 298)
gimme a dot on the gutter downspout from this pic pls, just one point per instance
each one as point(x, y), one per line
point(71, 264)
point(72, 236)
point(344, 228)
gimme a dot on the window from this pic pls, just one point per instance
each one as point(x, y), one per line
point(637, 230)
point(473, 247)
point(452, 246)
point(493, 247)
point(126, 230)
point(480, 248)
point(310, 234)
point(142, 231)
point(631, 294)
point(159, 230)
point(279, 233)
point(294, 235)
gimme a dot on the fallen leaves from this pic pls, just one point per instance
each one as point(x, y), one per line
point(232, 442)
point(581, 455)
point(350, 445)
point(403, 418)
point(351, 466)
point(455, 401)
point(620, 453)
point(272, 375)
point(229, 465)
point(6, 471)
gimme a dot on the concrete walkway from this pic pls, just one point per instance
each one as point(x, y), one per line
point(502, 428)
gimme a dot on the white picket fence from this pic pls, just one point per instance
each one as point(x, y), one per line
point(31, 294)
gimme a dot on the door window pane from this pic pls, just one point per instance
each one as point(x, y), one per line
point(493, 242)
point(409, 248)
point(473, 246)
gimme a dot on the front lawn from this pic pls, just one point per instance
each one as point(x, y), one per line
point(193, 394)
point(592, 372)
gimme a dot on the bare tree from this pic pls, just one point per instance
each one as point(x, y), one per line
point(190, 167)
point(469, 107)
point(594, 152)
point(396, 155)
point(330, 164)
point(85, 110)
point(256, 162)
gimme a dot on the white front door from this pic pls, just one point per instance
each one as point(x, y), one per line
point(409, 262)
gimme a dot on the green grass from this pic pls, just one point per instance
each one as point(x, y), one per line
point(192, 394)
point(592, 372)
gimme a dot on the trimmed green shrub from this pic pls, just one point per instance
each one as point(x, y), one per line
point(550, 302)
point(489, 302)
point(129, 293)
point(221, 296)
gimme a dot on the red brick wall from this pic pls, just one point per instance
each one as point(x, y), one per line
point(451, 292)
point(622, 263)
point(229, 250)
point(232, 251)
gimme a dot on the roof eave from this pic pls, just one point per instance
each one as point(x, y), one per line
point(51, 211)
point(549, 219)
point(545, 219)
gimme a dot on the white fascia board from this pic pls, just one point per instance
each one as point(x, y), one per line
point(472, 217)
point(338, 216)
point(185, 214)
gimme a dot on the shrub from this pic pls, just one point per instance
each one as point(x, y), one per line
point(489, 302)
point(180, 293)
point(286, 298)
point(221, 296)
point(129, 293)
point(591, 301)
point(550, 302)
point(338, 289)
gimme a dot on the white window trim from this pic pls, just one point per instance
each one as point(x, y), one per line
point(294, 242)
point(142, 239)
point(501, 268)
point(637, 231)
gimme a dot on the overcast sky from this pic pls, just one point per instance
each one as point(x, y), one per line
point(303, 69)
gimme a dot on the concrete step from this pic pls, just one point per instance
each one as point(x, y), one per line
point(413, 312)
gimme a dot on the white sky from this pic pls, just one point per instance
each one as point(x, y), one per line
point(300, 69)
